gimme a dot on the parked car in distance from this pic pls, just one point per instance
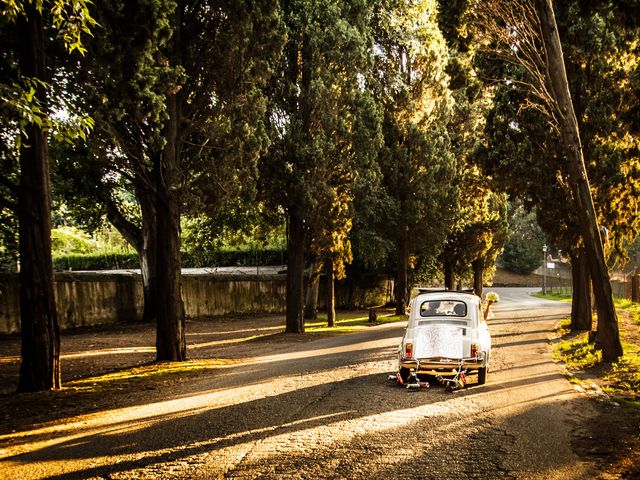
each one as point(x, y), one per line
point(445, 327)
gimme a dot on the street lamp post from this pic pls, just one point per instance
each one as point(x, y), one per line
point(544, 274)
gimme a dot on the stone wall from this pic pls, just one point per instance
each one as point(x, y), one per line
point(82, 298)
point(213, 295)
point(99, 298)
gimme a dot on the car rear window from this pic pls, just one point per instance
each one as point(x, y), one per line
point(439, 308)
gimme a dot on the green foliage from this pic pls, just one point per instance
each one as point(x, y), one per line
point(630, 307)
point(71, 18)
point(453, 18)
point(123, 80)
point(523, 250)
point(67, 240)
point(562, 295)
point(215, 58)
point(632, 252)
point(324, 125)
point(234, 257)
point(479, 226)
point(8, 241)
point(240, 227)
point(26, 101)
point(625, 376)
point(416, 161)
point(520, 256)
point(622, 378)
point(602, 60)
point(523, 154)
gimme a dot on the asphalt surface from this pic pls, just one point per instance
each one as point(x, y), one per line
point(324, 408)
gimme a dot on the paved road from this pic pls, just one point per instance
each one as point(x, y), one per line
point(324, 409)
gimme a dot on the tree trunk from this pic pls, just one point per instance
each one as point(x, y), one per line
point(40, 333)
point(402, 277)
point(170, 330)
point(143, 240)
point(313, 288)
point(449, 277)
point(331, 298)
point(478, 275)
point(295, 273)
point(608, 333)
point(148, 259)
point(170, 334)
point(581, 317)
point(148, 265)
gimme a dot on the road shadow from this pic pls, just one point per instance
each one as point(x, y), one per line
point(182, 418)
point(170, 437)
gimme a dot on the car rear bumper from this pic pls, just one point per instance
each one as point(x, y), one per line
point(431, 366)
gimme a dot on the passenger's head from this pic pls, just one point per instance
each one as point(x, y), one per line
point(459, 309)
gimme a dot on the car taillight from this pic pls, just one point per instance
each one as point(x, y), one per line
point(474, 350)
point(408, 350)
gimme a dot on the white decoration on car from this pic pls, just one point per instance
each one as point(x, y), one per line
point(439, 341)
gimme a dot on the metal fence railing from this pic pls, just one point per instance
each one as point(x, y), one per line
point(623, 284)
point(626, 285)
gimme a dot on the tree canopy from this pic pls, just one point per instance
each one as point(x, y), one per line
point(382, 132)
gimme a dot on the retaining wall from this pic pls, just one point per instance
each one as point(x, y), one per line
point(98, 298)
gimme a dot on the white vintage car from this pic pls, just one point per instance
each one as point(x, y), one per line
point(445, 328)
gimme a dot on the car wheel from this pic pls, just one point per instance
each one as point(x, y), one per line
point(482, 376)
point(404, 374)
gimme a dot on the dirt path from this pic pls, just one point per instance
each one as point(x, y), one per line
point(255, 403)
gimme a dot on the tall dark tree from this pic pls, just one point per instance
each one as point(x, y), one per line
point(416, 161)
point(27, 125)
point(518, 157)
point(523, 248)
point(478, 234)
point(556, 81)
point(595, 126)
point(479, 225)
point(175, 87)
point(40, 353)
point(319, 111)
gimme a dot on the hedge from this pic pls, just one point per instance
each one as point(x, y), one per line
point(221, 258)
point(233, 258)
point(96, 261)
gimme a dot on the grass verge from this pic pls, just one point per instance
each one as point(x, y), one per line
point(350, 322)
point(562, 295)
point(620, 379)
point(614, 433)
